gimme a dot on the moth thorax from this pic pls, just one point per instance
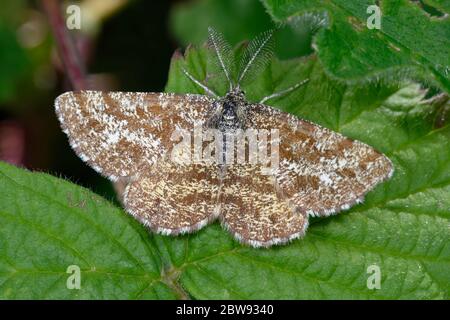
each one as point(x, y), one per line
point(232, 113)
point(229, 118)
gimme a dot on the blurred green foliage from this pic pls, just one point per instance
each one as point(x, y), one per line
point(238, 20)
point(26, 71)
point(13, 63)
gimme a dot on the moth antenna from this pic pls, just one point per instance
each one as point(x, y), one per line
point(256, 56)
point(197, 82)
point(223, 52)
point(283, 92)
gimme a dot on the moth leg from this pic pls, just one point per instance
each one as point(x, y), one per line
point(197, 82)
point(283, 92)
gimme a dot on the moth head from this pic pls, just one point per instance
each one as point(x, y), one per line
point(229, 111)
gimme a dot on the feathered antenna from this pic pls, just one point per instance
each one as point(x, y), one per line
point(223, 53)
point(309, 22)
point(256, 56)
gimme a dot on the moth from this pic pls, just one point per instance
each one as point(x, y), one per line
point(129, 136)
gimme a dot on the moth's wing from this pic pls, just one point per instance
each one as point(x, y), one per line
point(171, 199)
point(116, 133)
point(320, 171)
point(254, 211)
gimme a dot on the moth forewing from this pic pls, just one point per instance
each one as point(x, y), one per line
point(116, 133)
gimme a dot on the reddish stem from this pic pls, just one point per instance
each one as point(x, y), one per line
point(67, 50)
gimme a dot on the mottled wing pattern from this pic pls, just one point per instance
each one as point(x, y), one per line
point(321, 172)
point(117, 133)
point(254, 211)
point(123, 134)
point(171, 198)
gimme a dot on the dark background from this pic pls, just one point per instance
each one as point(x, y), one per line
point(130, 52)
point(124, 47)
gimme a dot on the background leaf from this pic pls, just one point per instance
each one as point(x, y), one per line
point(47, 224)
point(414, 39)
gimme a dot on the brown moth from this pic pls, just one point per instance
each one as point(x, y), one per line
point(133, 137)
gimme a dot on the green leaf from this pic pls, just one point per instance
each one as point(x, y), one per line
point(414, 39)
point(47, 224)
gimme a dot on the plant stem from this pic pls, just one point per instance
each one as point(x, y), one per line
point(71, 59)
point(67, 50)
